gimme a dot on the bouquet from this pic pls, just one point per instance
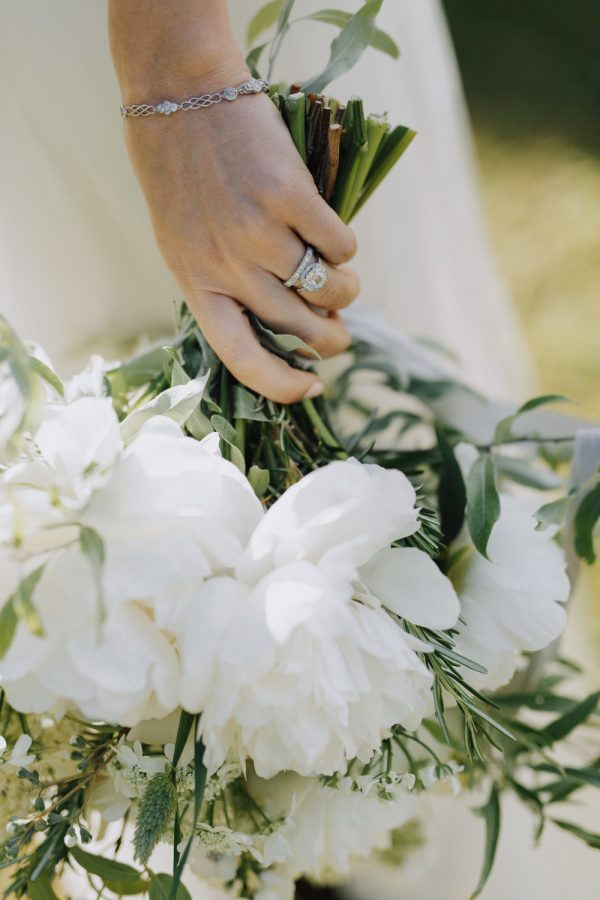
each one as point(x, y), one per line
point(261, 634)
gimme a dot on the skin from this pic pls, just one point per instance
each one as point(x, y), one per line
point(231, 201)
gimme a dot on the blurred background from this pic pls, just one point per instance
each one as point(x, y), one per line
point(531, 73)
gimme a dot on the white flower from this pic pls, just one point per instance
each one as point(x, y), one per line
point(215, 852)
point(276, 884)
point(336, 517)
point(19, 756)
point(89, 382)
point(287, 666)
point(443, 776)
point(332, 826)
point(168, 513)
point(511, 602)
point(295, 674)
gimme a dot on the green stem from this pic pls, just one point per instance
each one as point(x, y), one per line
point(322, 429)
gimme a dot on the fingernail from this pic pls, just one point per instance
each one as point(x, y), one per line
point(315, 390)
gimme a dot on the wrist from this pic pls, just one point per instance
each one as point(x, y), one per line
point(159, 51)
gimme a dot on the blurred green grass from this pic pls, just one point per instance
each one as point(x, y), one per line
point(531, 71)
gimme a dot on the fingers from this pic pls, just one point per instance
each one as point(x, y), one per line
point(317, 224)
point(342, 287)
point(228, 331)
point(284, 311)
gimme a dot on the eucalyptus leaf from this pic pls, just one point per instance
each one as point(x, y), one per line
point(586, 519)
point(490, 812)
point(340, 18)
point(348, 47)
point(483, 501)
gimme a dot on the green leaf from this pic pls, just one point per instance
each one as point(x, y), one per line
point(563, 726)
point(22, 604)
point(154, 817)
point(504, 427)
point(224, 429)
point(452, 493)
point(339, 17)
point(551, 513)
point(483, 501)
point(107, 869)
point(92, 546)
point(186, 720)
point(161, 889)
point(128, 888)
point(288, 343)
point(253, 59)
point(259, 480)
point(390, 150)
point(586, 519)
point(48, 375)
point(348, 47)
point(264, 19)
point(247, 405)
point(490, 812)
point(41, 888)
point(585, 775)
point(8, 626)
point(177, 403)
point(199, 785)
point(543, 702)
point(592, 840)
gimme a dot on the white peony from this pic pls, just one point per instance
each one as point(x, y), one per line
point(332, 826)
point(294, 662)
point(168, 513)
point(512, 601)
point(337, 517)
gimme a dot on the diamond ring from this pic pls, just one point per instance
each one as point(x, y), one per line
point(311, 275)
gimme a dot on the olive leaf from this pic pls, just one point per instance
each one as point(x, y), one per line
point(340, 18)
point(348, 47)
point(483, 501)
point(490, 812)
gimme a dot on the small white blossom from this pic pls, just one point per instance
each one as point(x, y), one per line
point(215, 852)
point(19, 755)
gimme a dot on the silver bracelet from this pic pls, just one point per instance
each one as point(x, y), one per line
point(166, 107)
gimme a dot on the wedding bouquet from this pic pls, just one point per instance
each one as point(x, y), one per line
point(261, 634)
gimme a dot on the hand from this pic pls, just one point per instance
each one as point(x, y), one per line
point(233, 207)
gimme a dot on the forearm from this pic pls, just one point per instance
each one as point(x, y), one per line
point(171, 47)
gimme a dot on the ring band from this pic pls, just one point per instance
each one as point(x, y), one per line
point(311, 275)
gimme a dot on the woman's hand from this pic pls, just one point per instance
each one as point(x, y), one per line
point(233, 207)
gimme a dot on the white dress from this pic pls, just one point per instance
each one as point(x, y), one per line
point(79, 270)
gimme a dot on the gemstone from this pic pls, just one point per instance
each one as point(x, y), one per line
point(230, 93)
point(316, 278)
point(167, 107)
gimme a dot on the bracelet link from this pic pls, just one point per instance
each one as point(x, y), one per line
point(204, 101)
